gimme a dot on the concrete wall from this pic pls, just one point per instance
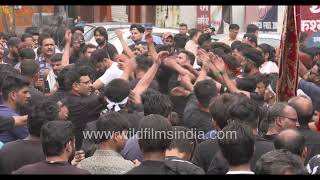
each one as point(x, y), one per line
point(119, 13)
point(188, 15)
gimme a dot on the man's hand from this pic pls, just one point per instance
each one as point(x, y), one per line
point(161, 56)
point(149, 39)
point(125, 63)
point(119, 33)
point(67, 36)
point(218, 63)
point(79, 156)
point(134, 98)
point(136, 163)
point(20, 120)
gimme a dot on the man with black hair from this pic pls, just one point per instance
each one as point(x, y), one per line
point(280, 162)
point(106, 159)
point(253, 29)
point(101, 37)
point(18, 153)
point(237, 150)
point(106, 68)
point(77, 42)
point(180, 42)
point(15, 93)
point(57, 139)
point(180, 151)
point(205, 151)
point(153, 148)
point(87, 50)
point(25, 54)
point(233, 33)
point(250, 39)
point(245, 111)
point(137, 32)
point(13, 56)
point(192, 45)
point(4, 39)
point(196, 115)
point(27, 38)
point(83, 106)
point(183, 29)
point(304, 109)
point(204, 41)
point(77, 29)
point(292, 141)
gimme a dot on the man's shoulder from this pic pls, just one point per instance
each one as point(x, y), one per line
point(7, 112)
point(30, 168)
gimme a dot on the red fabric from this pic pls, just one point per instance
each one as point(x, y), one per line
point(235, 71)
point(289, 58)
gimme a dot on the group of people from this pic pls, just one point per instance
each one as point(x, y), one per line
point(56, 97)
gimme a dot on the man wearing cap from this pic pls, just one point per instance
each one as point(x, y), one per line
point(13, 56)
point(148, 29)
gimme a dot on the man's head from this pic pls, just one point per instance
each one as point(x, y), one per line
point(293, 141)
point(304, 109)
point(250, 39)
point(148, 28)
point(100, 35)
point(167, 39)
point(238, 148)
point(183, 28)
point(47, 45)
point(181, 146)
point(253, 29)
point(194, 34)
point(252, 59)
point(233, 31)
point(236, 50)
point(116, 125)
point(313, 74)
point(117, 90)
point(13, 44)
point(40, 113)
point(27, 53)
point(30, 70)
point(78, 81)
point(55, 63)
point(219, 109)
point(282, 116)
point(58, 139)
point(143, 64)
point(263, 83)
point(27, 38)
point(280, 162)
point(99, 59)
point(158, 124)
point(156, 103)
point(205, 90)
point(268, 51)
point(78, 30)
point(185, 57)
point(180, 41)
point(205, 41)
point(87, 50)
point(15, 90)
point(1, 52)
point(137, 32)
point(77, 42)
point(245, 110)
point(3, 39)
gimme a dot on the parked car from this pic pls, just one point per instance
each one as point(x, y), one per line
point(272, 39)
point(113, 39)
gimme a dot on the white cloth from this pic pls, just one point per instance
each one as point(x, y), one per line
point(240, 172)
point(269, 67)
point(113, 72)
point(51, 78)
point(116, 105)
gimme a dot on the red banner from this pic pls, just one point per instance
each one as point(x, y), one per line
point(310, 23)
point(203, 17)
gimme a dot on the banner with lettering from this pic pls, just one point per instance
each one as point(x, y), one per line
point(265, 17)
point(209, 16)
point(310, 23)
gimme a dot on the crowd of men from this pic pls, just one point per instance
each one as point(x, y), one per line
point(54, 93)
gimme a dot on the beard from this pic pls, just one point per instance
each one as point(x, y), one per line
point(100, 42)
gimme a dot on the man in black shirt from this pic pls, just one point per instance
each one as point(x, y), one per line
point(196, 114)
point(18, 153)
point(153, 148)
point(13, 56)
point(304, 109)
point(57, 139)
point(101, 37)
point(83, 106)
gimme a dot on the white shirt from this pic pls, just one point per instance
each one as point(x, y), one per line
point(269, 67)
point(113, 72)
point(240, 172)
point(227, 40)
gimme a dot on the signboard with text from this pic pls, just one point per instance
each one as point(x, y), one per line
point(265, 17)
point(310, 23)
point(209, 16)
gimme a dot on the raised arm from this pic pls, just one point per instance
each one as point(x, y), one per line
point(66, 51)
point(124, 44)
